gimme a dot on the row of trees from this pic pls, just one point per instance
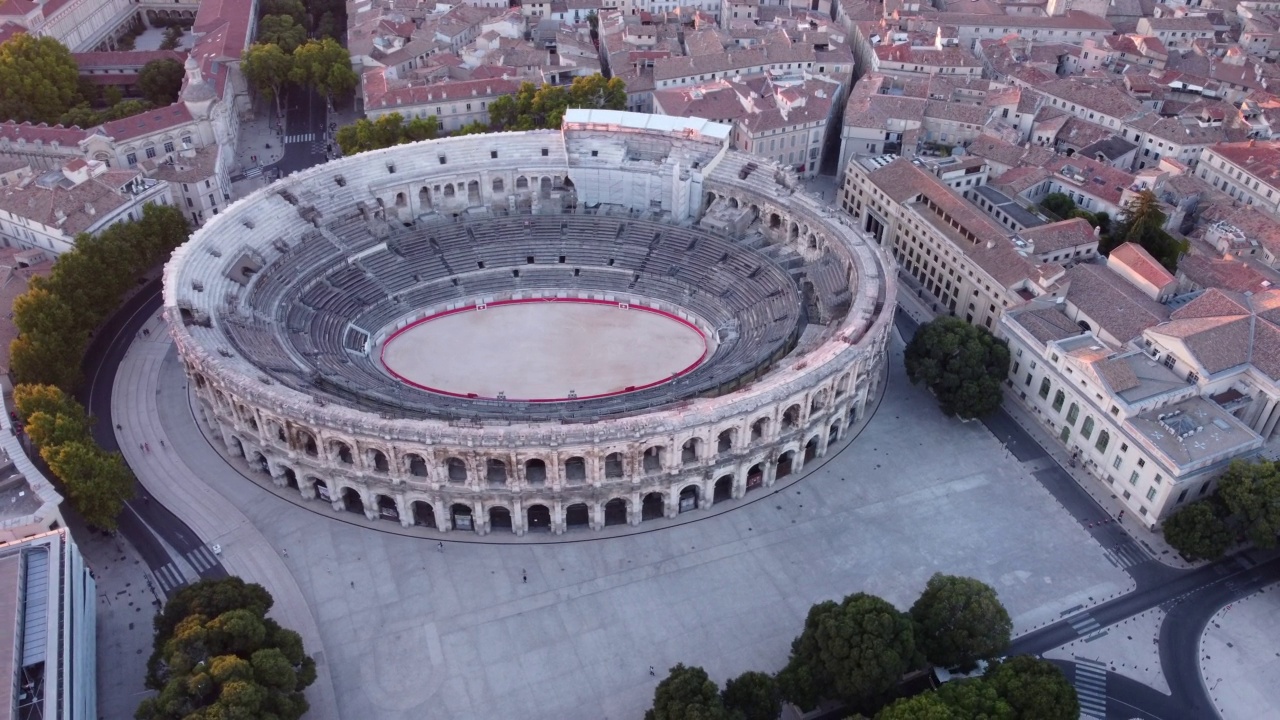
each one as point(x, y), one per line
point(857, 651)
point(55, 318)
point(317, 18)
point(322, 65)
point(40, 82)
point(530, 108)
point(1246, 505)
point(217, 655)
point(962, 364)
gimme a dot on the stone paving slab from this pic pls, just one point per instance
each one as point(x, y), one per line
point(1240, 657)
point(412, 632)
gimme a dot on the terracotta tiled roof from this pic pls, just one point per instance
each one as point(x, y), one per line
point(1120, 309)
point(1137, 259)
point(146, 123)
point(1060, 235)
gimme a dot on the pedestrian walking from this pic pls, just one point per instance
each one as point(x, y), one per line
point(651, 672)
point(285, 552)
point(161, 443)
point(439, 547)
point(118, 426)
point(147, 446)
point(524, 576)
point(140, 446)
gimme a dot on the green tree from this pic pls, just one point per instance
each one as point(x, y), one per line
point(1251, 493)
point(856, 650)
point(128, 108)
point(268, 69)
point(216, 654)
point(752, 696)
point(293, 8)
point(686, 693)
point(39, 80)
point(1059, 204)
point(961, 363)
point(160, 81)
point(82, 116)
point(281, 30)
point(421, 129)
point(1143, 224)
point(172, 37)
point(596, 91)
point(324, 66)
point(959, 620)
point(1198, 532)
point(975, 698)
point(51, 416)
point(1034, 689)
point(98, 483)
point(926, 706)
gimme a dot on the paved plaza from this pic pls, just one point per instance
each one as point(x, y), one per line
point(410, 631)
point(1239, 659)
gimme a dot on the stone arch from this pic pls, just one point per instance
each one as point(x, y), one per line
point(351, 500)
point(500, 518)
point(387, 508)
point(473, 191)
point(522, 183)
point(259, 462)
point(791, 418)
point(842, 385)
point(320, 489)
point(653, 506)
point(538, 518)
point(276, 431)
point(689, 497)
point(812, 448)
point(424, 198)
point(654, 459)
point(817, 402)
point(575, 470)
point(613, 465)
point(377, 460)
point(726, 440)
point(722, 490)
point(495, 472)
point(775, 221)
point(456, 470)
point(448, 190)
point(759, 429)
point(833, 434)
point(400, 200)
point(691, 451)
point(755, 477)
point(535, 471)
point(785, 463)
point(341, 451)
point(577, 515)
point(544, 187)
point(615, 512)
point(235, 446)
point(415, 465)
point(497, 185)
point(290, 477)
point(461, 516)
point(423, 514)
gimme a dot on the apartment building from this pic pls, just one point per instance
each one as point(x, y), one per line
point(1246, 171)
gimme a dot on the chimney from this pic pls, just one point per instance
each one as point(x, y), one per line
point(1097, 231)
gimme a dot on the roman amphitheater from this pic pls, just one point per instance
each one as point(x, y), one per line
point(532, 332)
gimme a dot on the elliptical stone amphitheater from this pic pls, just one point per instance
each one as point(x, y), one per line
point(284, 307)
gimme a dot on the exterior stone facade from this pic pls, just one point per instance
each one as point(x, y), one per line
point(529, 474)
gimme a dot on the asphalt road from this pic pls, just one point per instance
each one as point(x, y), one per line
point(143, 522)
point(305, 119)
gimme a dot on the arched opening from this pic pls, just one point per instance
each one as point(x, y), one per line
point(237, 448)
point(460, 514)
point(758, 429)
point(784, 463)
point(424, 198)
point(499, 518)
point(794, 233)
point(308, 443)
point(577, 515)
point(615, 512)
point(791, 418)
point(755, 477)
point(423, 514)
point(277, 432)
point(417, 465)
point(457, 470)
point(260, 463)
point(613, 465)
point(816, 404)
point(653, 459)
point(834, 433)
point(853, 415)
point(522, 183)
point(775, 221)
point(842, 386)
point(652, 507)
point(723, 490)
point(544, 187)
point(322, 490)
point(690, 451)
point(539, 518)
point(400, 200)
point(724, 441)
point(733, 202)
point(811, 449)
point(387, 509)
point(351, 501)
point(495, 472)
point(689, 498)
point(1058, 399)
point(342, 452)
point(575, 470)
point(290, 478)
point(497, 185)
point(448, 191)
point(378, 460)
point(473, 191)
point(535, 472)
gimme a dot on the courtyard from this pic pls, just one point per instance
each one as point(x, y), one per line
point(411, 630)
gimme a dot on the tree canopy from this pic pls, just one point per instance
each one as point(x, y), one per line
point(962, 364)
point(324, 66)
point(1250, 492)
point(216, 654)
point(364, 134)
point(1143, 223)
point(752, 696)
point(39, 80)
point(959, 620)
point(1034, 689)
point(267, 68)
point(293, 8)
point(686, 693)
point(281, 30)
point(1198, 531)
point(160, 81)
point(856, 650)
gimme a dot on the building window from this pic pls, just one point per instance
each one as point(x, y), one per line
point(1124, 447)
point(1072, 413)
point(1087, 429)
point(132, 159)
point(1104, 437)
point(1044, 389)
point(1151, 494)
point(1142, 462)
point(151, 152)
point(1058, 399)
point(1116, 463)
point(186, 140)
point(168, 146)
point(1133, 478)
point(1158, 478)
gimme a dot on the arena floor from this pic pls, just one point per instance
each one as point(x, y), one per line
point(543, 350)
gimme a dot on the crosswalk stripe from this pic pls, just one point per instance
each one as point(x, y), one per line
point(1091, 689)
point(1126, 555)
point(202, 558)
point(169, 578)
point(299, 138)
point(253, 172)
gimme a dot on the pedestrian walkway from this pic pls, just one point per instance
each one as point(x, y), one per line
point(170, 579)
point(297, 139)
point(1126, 555)
point(1084, 624)
point(1239, 662)
point(1091, 688)
point(189, 495)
